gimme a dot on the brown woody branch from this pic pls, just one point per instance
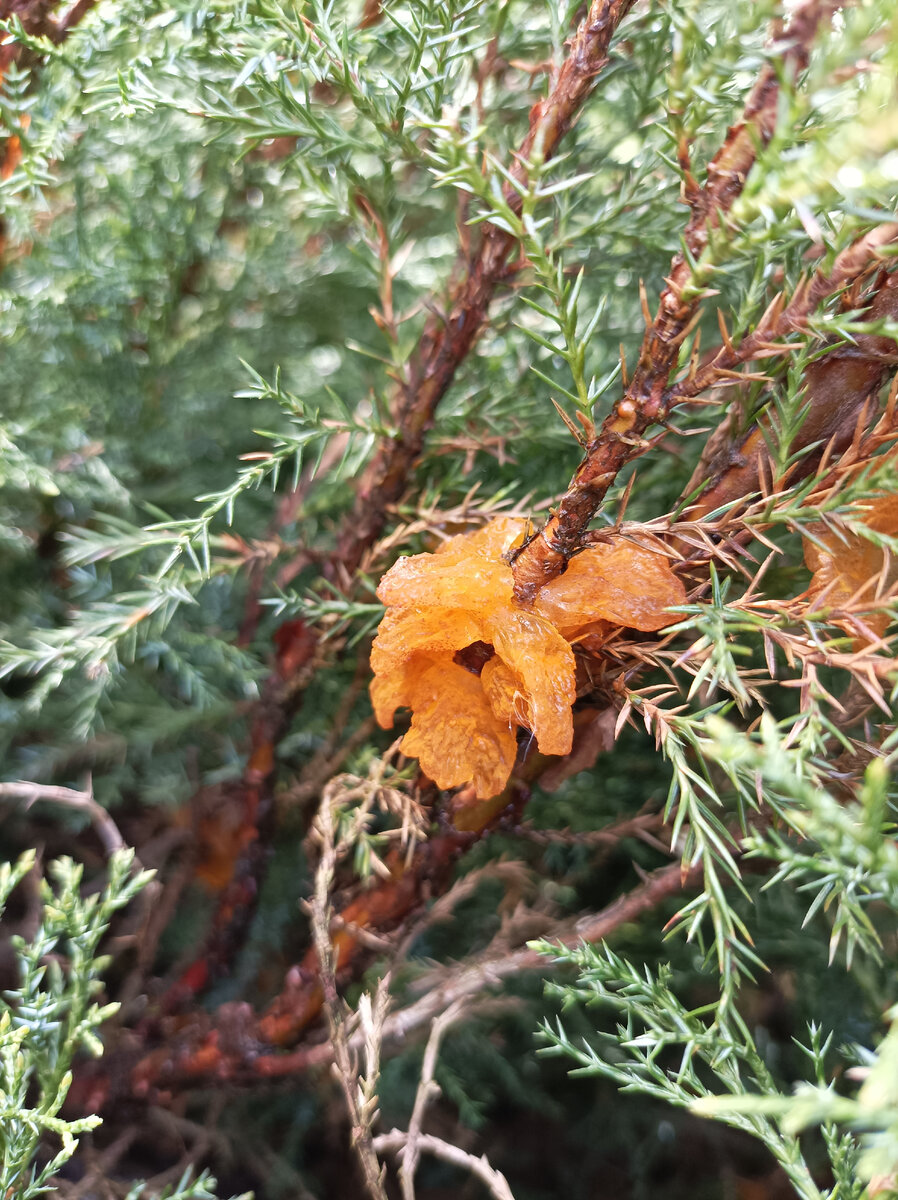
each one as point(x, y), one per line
point(646, 401)
point(470, 980)
point(281, 696)
point(781, 319)
point(444, 344)
point(447, 339)
point(239, 1045)
point(201, 1047)
point(838, 387)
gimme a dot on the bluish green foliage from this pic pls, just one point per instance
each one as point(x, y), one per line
point(230, 224)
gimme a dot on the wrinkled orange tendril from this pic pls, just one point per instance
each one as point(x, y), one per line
point(464, 724)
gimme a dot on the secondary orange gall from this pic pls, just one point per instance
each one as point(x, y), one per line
point(464, 723)
point(852, 573)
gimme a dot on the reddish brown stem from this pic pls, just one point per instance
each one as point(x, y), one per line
point(646, 400)
point(240, 1046)
point(446, 340)
point(280, 698)
point(837, 386)
point(203, 1047)
point(779, 320)
point(472, 979)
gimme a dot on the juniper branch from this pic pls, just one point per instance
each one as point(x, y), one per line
point(837, 388)
point(781, 319)
point(462, 983)
point(646, 400)
point(446, 340)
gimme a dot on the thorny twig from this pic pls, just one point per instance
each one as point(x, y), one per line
point(471, 979)
point(641, 826)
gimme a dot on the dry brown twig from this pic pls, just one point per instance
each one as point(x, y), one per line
point(32, 793)
point(359, 1091)
point(363, 1033)
point(511, 872)
point(641, 826)
point(359, 1087)
point(479, 1167)
point(409, 1144)
point(471, 979)
point(467, 981)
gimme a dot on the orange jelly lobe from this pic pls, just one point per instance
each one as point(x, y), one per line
point(620, 582)
point(435, 579)
point(465, 717)
point(544, 662)
point(505, 692)
point(403, 631)
point(455, 735)
point(847, 568)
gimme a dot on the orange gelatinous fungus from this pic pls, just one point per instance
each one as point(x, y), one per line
point(393, 687)
point(591, 637)
point(504, 689)
point(619, 582)
point(427, 629)
point(435, 578)
point(455, 735)
point(429, 579)
point(473, 666)
point(544, 662)
point(493, 541)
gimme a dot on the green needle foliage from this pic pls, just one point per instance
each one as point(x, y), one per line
point(240, 242)
point(51, 1015)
